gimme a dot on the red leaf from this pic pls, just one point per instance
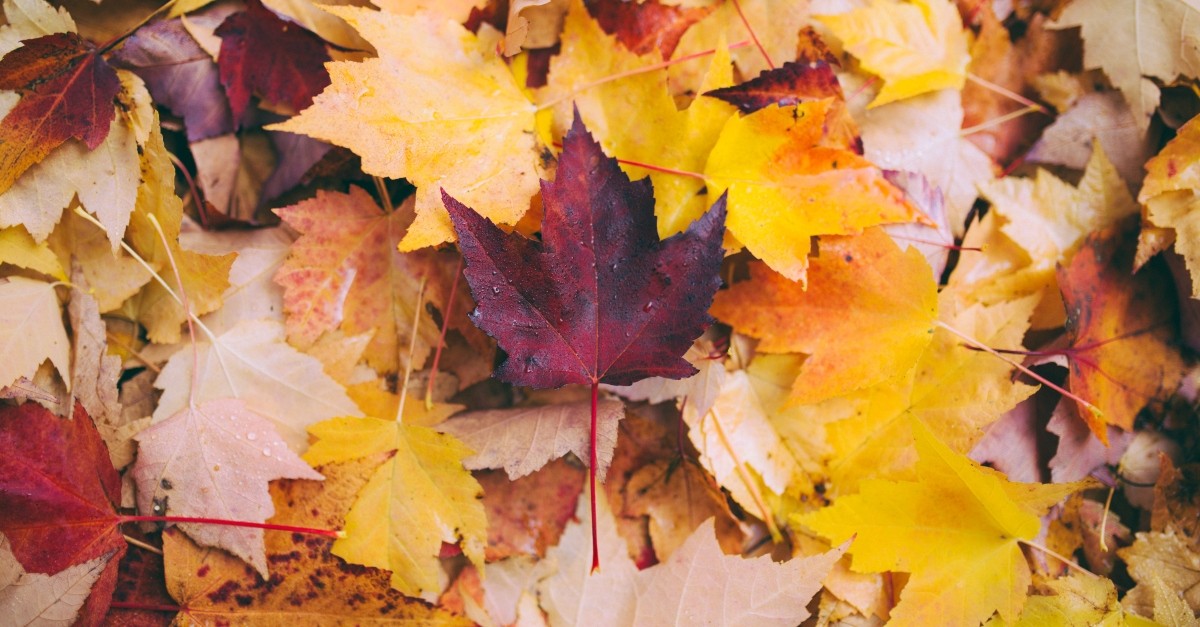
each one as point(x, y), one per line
point(68, 92)
point(274, 58)
point(646, 26)
point(601, 299)
point(58, 491)
point(810, 77)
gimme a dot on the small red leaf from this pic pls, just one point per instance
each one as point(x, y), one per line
point(644, 27)
point(68, 92)
point(274, 58)
point(601, 298)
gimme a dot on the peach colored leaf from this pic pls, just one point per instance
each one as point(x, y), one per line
point(95, 373)
point(46, 600)
point(215, 460)
point(866, 316)
point(31, 330)
point(479, 145)
point(252, 363)
point(1169, 200)
point(700, 584)
point(522, 440)
point(344, 272)
point(252, 294)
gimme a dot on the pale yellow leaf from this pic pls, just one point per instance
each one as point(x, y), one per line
point(50, 600)
point(18, 248)
point(31, 330)
point(252, 293)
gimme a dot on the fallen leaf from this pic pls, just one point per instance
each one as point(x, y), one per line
point(252, 294)
point(1079, 453)
point(700, 390)
point(1122, 329)
point(480, 148)
point(960, 524)
point(1096, 117)
point(18, 248)
point(649, 26)
point(112, 278)
point(326, 25)
point(31, 330)
point(1177, 501)
point(526, 516)
point(1010, 444)
point(38, 599)
point(915, 47)
point(1074, 601)
point(523, 440)
point(264, 55)
point(94, 373)
point(533, 24)
point(865, 296)
point(180, 76)
point(231, 171)
point(677, 497)
point(1168, 196)
point(936, 240)
point(1166, 557)
point(69, 92)
point(641, 307)
point(420, 497)
point(308, 583)
point(344, 272)
point(1134, 43)
point(58, 492)
point(251, 362)
point(214, 459)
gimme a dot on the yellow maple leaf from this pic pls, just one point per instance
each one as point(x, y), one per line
point(915, 47)
point(205, 277)
point(18, 248)
point(866, 316)
point(1171, 202)
point(956, 530)
point(1075, 601)
point(954, 390)
point(416, 500)
point(436, 107)
point(787, 184)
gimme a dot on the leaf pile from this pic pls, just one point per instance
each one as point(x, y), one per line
point(782, 313)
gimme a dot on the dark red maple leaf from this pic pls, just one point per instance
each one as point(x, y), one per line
point(269, 56)
point(810, 77)
point(646, 26)
point(58, 492)
point(600, 299)
point(67, 91)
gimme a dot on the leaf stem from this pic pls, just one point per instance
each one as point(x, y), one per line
point(149, 607)
point(592, 475)
point(983, 126)
point(187, 310)
point(142, 545)
point(1058, 556)
point(122, 37)
point(412, 347)
point(327, 533)
point(1012, 95)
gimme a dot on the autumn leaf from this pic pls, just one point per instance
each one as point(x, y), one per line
point(32, 598)
point(371, 108)
point(865, 296)
point(19, 249)
point(915, 47)
point(1078, 600)
point(700, 390)
point(68, 92)
point(786, 184)
point(215, 460)
point(1116, 320)
point(1167, 557)
point(31, 330)
point(58, 492)
point(1168, 197)
point(418, 498)
point(308, 583)
point(523, 440)
point(527, 515)
point(647, 26)
point(264, 55)
point(956, 530)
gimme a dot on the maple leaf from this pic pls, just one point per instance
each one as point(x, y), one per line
point(214, 460)
point(69, 91)
point(956, 530)
point(533, 24)
point(865, 297)
point(180, 76)
point(265, 55)
point(344, 272)
point(58, 492)
point(1096, 117)
point(18, 248)
point(1122, 328)
point(677, 498)
point(1079, 453)
point(251, 362)
point(252, 294)
point(1075, 601)
point(786, 183)
point(600, 300)
point(418, 498)
point(527, 515)
point(94, 373)
point(308, 583)
point(480, 144)
point(522, 440)
point(915, 47)
point(700, 390)
point(649, 26)
point(31, 330)
point(326, 25)
point(1134, 43)
point(954, 390)
point(1168, 197)
point(1166, 556)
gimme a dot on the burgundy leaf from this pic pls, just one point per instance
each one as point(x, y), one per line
point(789, 84)
point(274, 58)
point(644, 27)
point(601, 299)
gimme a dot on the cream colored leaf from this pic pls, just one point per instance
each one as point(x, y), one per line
point(533, 24)
point(215, 460)
point(523, 440)
point(327, 26)
point(1167, 558)
point(1134, 42)
point(95, 373)
point(252, 293)
point(700, 390)
point(231, 170)
point(1095, 116)
point(50, 600)
point(438, 108)
point(252, 363)
point(31, 330)
point(700, 585)
point(456, 10)
point(112, 276)
point(28, 19)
